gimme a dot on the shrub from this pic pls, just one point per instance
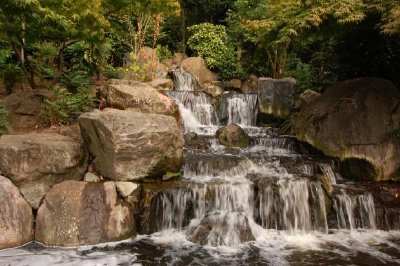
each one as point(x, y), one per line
point(73, 80)
point(3, 121)
point(113, 72)
point(136, 70)
point(211, 42)
point(163, 52)
point(65, 107)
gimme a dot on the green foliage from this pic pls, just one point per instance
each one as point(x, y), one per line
point(135, 69)
point(73, 80)
point(3, 121)
point(65, 107)
point(113, 72)
point(163, 52)
point(211, 42)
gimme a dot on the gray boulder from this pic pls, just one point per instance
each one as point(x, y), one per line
point(79, 213)
point(129, 145)
point(276, 97)
point(357, 121)
point(16, 218)
point(138, 96)
point(233, 136)
point(35, 162)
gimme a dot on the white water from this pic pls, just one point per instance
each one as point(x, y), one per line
point(242, 109)
point(183, 81)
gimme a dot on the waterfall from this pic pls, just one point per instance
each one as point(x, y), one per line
point(328, 172)
point(354, 211)
point(242, 109)
point(183, 81)
point(196, 110)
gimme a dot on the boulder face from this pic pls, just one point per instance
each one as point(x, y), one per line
point(24, 109)
point(124, 94)
point(197, 67)
point(233, 136)
point(16, 219)
point(276, 97)
point(35, 162)
point(79, 213)
point(129, 145)
point(356, 121)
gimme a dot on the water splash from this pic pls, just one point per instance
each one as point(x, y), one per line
point(183, 81)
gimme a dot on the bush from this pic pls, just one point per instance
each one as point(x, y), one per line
point(3, 121)
point(65, 107)
point(163, 52)
point(74, 80)
point(211, 42)
point(113, 72)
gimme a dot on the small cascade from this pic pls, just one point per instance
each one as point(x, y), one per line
point(183, 81)
point(297, 206)
point(196, 110)
point(328, 172)
point(242, 109)
point(354, 211)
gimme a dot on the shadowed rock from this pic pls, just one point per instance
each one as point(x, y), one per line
point(80, 213)
point(16, 219)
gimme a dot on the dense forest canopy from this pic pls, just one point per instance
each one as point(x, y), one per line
point(44, 42)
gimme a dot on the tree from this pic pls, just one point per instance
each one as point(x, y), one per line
point(275, 25)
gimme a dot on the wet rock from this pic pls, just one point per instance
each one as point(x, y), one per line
point(250, 85)
point(212, 89)
point(138, 96)
point(190, 137)
point(326, 184)
point(35, 162)
point(129, 145)
point(16, 219)
point(221, 229)
point(24, 109)
point(234, 84)
point(355, 121)
point(308, 96)
point(79, 213)
point(233, 136)
point(276, 97)
point(197, 67)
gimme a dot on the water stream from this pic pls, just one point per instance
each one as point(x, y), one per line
point(263, 205)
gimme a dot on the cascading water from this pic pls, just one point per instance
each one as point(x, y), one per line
point(183, 81)
point(263, 205)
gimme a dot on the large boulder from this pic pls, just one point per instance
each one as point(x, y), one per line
point(24, 109)
point(80, 213)
point(197, 67)
point(139, 96)
point(276, 97)
point(356, 121)
point(129, 145)
point(35, 162)
point(233, 136)
point(16, 219)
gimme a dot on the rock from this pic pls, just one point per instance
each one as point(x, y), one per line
point(138, 96)
point(356, 121)
point(308, 96)
point(178, 58)
point(129, 145)
point(233, 136)
point(162, 84)
point(147, 55)
point(326, 184)
point(250, 85)
point(24, 109)
point(16, 218)
point(79, 213)
point(191, 136)
point(276, 97)
point(125, 189)
point(197, 67)
point(212, 89)
point(35, 162)
point(235, 84)
point(170, 175)
point(167, 62)
point(222, 229)
point(90, 177)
